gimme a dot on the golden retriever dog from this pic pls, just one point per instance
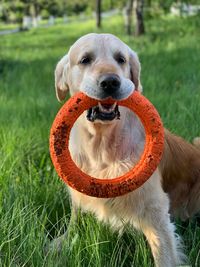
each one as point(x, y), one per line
point(106, 141)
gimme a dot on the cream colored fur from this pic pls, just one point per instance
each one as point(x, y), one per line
point(111, 149)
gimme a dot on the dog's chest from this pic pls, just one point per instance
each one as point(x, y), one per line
point(107, 155)
point(112, 210)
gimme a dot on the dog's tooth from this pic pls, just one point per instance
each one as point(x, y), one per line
point(114, 105)
point(112, 108)
point(107, 110)
point(100, 107)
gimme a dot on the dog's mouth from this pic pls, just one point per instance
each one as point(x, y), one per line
point(103, 112)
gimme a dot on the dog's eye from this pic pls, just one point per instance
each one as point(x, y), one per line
point(85, 60)
point(120, 59)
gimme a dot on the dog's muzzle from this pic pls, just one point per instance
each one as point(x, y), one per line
point(108, 85)
point(103, 112)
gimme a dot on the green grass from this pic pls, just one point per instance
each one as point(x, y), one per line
point(10, 26)
point(34, 205)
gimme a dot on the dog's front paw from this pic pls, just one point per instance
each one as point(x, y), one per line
point(56, 245)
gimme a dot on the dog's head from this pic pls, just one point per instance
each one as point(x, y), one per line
point(101, 66)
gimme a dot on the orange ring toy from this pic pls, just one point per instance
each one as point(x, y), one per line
point(106, 188)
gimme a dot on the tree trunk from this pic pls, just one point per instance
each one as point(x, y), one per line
point(111, 4)
point(149, 3)
point(98, 13)
point(140, 29)
point(128, 16)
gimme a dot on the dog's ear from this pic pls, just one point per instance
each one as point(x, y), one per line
point(61, 78)
point(135, 70)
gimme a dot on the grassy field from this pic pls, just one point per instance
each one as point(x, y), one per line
point(34, 205)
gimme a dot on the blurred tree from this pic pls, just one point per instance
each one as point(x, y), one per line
point(98, 13)
point(139, 30)
point(149, 3)
point(15, 10)
point(75, 6)
point(128, 16)
point(136, 7)
point(166, 4)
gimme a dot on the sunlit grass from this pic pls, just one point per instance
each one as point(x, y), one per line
point(34, 205)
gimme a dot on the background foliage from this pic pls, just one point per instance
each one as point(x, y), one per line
point(14, 10)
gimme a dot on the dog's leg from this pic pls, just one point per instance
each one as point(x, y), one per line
point(161, 237)
point(57, 243)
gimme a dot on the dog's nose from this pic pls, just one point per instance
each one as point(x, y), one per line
point(109, 83)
